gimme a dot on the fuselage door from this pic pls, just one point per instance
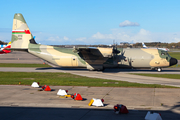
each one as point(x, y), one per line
point(74, 61)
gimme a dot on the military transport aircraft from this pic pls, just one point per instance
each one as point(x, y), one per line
point(94, 58)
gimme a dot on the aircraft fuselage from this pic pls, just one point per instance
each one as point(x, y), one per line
point(127, 58)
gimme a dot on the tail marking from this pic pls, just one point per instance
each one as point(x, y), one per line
point(21, 32)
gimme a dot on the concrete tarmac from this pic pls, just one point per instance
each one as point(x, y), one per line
point(24, 102)
point(19, 57)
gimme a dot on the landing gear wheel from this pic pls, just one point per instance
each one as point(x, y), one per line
point(159, 69)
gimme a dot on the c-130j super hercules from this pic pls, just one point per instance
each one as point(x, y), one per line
point(97, 58)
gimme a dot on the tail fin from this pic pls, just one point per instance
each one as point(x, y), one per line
point(9, 43)
point(20, 33)
point(4, 50)
point(144, 46)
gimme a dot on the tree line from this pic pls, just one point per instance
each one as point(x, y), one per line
point(158, 45)
point(3, 43)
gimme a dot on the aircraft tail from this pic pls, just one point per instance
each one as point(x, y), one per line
point(9, 43)
point(4, 50)
point(20, 33)
point(144, 46)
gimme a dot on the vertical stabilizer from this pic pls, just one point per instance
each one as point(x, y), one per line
point(144, 46)
point(20, 33)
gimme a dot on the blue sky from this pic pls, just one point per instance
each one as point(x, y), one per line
point(94, 21)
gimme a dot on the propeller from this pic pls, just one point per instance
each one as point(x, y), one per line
point(115, 50)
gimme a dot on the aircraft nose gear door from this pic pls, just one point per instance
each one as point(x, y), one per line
point(130, 62)
point(74, 61)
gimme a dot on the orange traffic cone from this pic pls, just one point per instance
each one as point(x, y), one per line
point(47, 88)
point(77, 96)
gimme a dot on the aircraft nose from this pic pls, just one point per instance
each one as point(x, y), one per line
point(173, 61)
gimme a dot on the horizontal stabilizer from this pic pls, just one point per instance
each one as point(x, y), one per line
point(17, 49)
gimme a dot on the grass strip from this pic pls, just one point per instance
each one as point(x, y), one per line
point(175, 55)
point(171, 76)
point(22, 65)
point(175, 66)
point(66, 79)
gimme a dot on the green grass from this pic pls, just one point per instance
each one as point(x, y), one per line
point(22, 65)
point(175, 55)
point(171, 76)
point(65, 79)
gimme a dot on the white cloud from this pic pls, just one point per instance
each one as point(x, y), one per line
point(176, 39)
point(48, 39)
point(66, 38)
point(54, 38)
point(98, 35)
point(81, 38)
point(127, 36)
point(142, 35)
point(128, 23)
point(51, 39)
point(144, 32)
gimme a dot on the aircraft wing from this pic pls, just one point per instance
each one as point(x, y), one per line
point(94, 56)
point(90, 54)
point(95, 51)
point(91, 51)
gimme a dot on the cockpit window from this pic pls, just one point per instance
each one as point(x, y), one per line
point(164, 53)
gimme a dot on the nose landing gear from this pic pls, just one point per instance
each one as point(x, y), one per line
point(159, 69)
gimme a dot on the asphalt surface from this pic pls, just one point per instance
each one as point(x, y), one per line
point(19, 57)
point(24, 102)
